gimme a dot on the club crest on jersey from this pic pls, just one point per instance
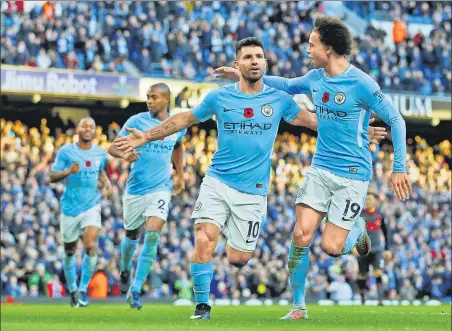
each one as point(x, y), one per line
point(267, 110)
point(198, 206)
point(97, 163)
point(173, 137)
point(339, 98)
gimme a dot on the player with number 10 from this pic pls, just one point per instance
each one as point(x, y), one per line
point(233, 194)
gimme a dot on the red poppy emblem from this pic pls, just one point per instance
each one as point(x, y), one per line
point(248, 112)
point(161, 139)
point(325, 97)
point(88, 164)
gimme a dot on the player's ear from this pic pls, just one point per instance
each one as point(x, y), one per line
point(236, 64)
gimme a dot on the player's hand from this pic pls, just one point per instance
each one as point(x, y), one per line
point(75, 167)
point(107, 188)
point(376, 133)
point(179, 185)
point(387, 255)
point(131, 157)
point(127, 144)
point(401, 184)
point(228, 73)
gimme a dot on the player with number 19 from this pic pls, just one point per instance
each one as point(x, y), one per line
point(336, 182)
point(148, 190)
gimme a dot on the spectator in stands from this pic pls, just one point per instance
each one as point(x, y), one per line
point(340, 290)
point(201, 37)
point(399, 31)
point(407, 291)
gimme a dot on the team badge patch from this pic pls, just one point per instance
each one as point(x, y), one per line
point(198, 205)
point(267, 110)
point(339, 98)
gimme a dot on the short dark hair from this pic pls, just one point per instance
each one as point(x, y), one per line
point(162, 87)
point(250, 41)
point(334, 33)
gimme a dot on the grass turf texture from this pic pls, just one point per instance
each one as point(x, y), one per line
point(118, 317)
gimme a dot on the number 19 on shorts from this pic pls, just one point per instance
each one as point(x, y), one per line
point(352, 208)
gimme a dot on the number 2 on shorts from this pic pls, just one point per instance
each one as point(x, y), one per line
point(161, 204)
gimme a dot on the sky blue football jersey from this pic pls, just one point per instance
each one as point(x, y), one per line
point(152, 172)
point(247, 129)
point(82, 189)
point(343, 105)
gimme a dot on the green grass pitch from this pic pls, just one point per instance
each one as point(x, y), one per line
point(119, 317)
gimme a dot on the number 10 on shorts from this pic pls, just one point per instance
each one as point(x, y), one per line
point(253, 231)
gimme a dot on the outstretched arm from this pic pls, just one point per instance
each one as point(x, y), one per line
point(171, 125)
point(308, 119)
point(290, 85)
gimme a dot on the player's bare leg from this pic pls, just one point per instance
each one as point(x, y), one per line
point(237, 258)
point(307, 222)
point(89, 262)
point(153, 227)
point(206, 238)
point(333, 239)
point(337, 241)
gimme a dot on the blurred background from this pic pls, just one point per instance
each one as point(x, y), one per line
point(64, 60)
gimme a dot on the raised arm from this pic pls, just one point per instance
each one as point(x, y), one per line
point(299, 85)
point(291, 86)
point(176, 123)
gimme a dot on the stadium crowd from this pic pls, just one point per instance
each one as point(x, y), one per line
point(32, 249)
point(191, 38)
